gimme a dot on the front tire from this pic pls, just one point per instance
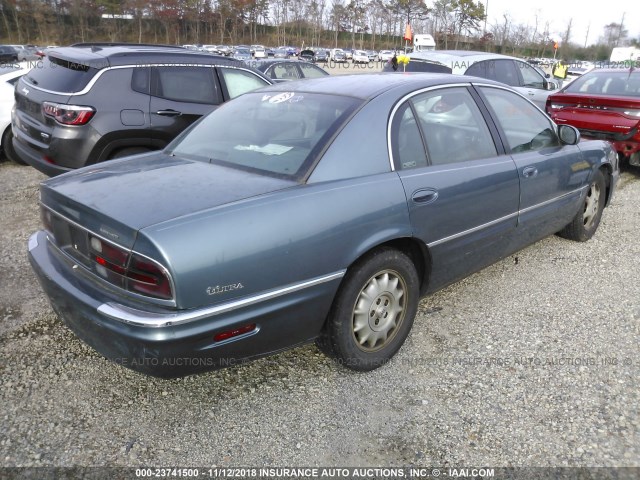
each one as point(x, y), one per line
point(586, 221)
point(373, 311)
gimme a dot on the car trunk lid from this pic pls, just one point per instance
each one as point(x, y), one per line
point(619, 117)
point(135, 193)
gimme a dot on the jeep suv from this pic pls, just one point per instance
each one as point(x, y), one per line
point(93, 102)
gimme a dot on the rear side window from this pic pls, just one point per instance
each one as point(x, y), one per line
point(185, 84)
point(408, 149)
point(140, 80)
point(240, 81)
point(60, 75)
point(286, 71)
point(311, 71)
point(503, 71)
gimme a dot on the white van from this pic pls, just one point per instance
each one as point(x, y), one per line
point(423, 42)
point(625, 54)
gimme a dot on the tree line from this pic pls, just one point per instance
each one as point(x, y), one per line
point(370, 24)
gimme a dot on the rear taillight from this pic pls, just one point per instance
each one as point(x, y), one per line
point(632, 113)
point(129, 270)
point(555, 106)
point(148, 278)
point(68, 114)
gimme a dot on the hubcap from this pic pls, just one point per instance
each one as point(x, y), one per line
point(591, 205)
point(379, 310)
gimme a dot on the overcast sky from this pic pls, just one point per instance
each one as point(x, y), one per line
point(588, 15)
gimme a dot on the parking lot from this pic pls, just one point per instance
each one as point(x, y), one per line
point(531, 362)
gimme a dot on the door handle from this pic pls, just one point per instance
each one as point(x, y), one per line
point(424, 196)
point(168, 113)
point(529, 172)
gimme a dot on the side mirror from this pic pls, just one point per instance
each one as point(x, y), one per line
point(569, 135)
point(551, 85)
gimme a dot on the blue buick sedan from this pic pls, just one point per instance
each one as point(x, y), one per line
point(319, 211)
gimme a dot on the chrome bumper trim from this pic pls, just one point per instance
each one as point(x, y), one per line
point(143, 318)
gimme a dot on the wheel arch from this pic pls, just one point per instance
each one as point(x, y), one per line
point(416, 250)
point(607, 173)
point(419, 254)
point(2, 134)
point(111, 143)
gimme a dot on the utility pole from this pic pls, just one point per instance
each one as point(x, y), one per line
point(486, 14)
point(620, 29)
point(586, 38)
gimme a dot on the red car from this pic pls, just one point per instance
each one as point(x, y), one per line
point(603, 104)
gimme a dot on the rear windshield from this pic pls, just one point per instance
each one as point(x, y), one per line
point(275, 133)
point(58, 75)
point(622, 83)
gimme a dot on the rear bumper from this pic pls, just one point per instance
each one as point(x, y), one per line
point(624, 144)
point(182, 349)
point(626, 148)
point(35, 158)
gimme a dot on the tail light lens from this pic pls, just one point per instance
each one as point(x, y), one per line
point(68, 114)
point(632, 113)
point(555, 106)
point(133, 272)
point(147, 278)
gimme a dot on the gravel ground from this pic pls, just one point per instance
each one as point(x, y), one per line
point(531, 362)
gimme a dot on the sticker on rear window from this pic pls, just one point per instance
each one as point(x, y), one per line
point(281, 97)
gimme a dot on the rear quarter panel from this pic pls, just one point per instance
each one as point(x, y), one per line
point(271, 241)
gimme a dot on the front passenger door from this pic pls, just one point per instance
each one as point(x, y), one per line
point(533, 85)
point(552, 175)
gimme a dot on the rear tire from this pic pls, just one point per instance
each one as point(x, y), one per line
point(586, 221)
point(373, 311)
point(7, 147)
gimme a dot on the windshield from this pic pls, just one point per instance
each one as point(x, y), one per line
point(275, 133)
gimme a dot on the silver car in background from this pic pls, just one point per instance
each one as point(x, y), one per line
point(520, 75)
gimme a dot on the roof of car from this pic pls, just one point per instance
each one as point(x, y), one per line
point(454, 58)
point(371, 85)
point(106, 55)
point(264, 63)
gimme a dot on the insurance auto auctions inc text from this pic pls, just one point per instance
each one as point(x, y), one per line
point(363, 472)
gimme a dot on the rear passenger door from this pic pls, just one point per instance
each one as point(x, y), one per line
point(462, 191)
point(180, 95)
